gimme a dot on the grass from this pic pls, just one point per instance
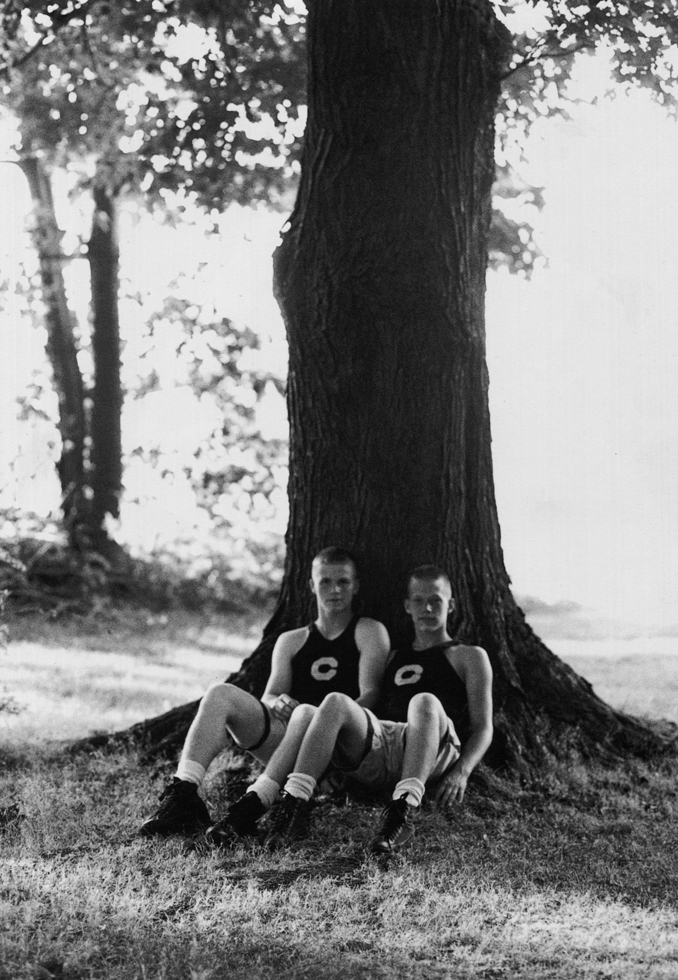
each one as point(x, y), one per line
point(639, 677)
point(574, 878)
point(107, 671)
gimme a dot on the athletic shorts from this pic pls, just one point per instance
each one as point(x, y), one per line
point(382, 762)
point(272, 736)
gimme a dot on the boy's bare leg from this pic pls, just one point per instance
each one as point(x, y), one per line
point(241, 819)
point(338, 721)
point(226, 709)
point(283, 760)
point(426, 726)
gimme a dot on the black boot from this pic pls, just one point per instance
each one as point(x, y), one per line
point(181, 811)
point(396, 827)
point(239, 823)
point(290, 821)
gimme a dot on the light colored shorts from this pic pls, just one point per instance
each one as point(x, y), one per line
point(382, 762)
point(272, 736)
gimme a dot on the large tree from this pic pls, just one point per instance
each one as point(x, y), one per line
point(381, 280)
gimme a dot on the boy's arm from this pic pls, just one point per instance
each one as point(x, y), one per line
point(374, 645)
point(276, 695)
point(477, 677)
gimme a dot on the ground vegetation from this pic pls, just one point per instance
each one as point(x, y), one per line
point(574, 876)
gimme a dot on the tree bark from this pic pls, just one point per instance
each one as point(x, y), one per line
point(381, 280)
point(105, 426)
point(61, 347)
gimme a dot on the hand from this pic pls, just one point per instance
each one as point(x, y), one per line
point(283, 706)
point(452, 787)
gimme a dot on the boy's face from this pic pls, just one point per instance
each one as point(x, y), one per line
point(429, 603)
point(333, 585)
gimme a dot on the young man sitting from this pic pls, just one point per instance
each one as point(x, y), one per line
point(339, 652)
point(430, 688)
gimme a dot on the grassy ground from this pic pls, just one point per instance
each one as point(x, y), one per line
point(574, 878)
point(109, 669)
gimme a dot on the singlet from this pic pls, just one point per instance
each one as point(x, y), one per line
point(413, 671)
point(323, 665)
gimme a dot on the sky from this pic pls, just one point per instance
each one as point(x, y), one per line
point(583, 365)
point(583, 362)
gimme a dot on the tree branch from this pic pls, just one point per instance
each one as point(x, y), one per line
point(538, 54)
point(58, 21)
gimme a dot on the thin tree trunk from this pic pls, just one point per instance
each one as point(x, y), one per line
point(61, 347)
point(105, 424)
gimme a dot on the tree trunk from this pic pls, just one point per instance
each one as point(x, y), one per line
point(381, 279)
point(105, 429)
point(62, 348)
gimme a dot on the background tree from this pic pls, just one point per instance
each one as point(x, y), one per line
point(108, 98)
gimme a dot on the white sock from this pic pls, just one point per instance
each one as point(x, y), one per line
point(300, 785)
point(190, 772)
point(266, 789)
point(413, 788)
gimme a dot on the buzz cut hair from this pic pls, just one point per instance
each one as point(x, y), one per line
point(336, 556)
point(427, 573)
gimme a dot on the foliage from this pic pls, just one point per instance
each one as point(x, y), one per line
point(238, 134)
point(235, 458)
point(157, 102)
point(209, 96)
point(42, 573)
point(639, 38)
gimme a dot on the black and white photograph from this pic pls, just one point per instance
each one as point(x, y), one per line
point(338, 489)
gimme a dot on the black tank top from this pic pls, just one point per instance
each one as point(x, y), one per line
point(413, 671)
point(323, 665)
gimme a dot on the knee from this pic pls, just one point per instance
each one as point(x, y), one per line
point(335, 705)
point(219, 696)
point(303, 715)
point(425, 706)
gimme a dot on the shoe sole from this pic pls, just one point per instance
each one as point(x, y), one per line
point(172, 832)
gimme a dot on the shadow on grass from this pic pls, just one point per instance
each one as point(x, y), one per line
point(575, 878)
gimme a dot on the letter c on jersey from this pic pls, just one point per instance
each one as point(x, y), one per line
point(324, 669)
point(409, 674)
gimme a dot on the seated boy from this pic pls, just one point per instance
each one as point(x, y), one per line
point(338, 652)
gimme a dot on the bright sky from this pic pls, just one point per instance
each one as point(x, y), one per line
point(583, 362)
point(584, 370)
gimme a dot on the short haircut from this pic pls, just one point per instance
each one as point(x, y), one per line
point(427, 573)
point(336, 556)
